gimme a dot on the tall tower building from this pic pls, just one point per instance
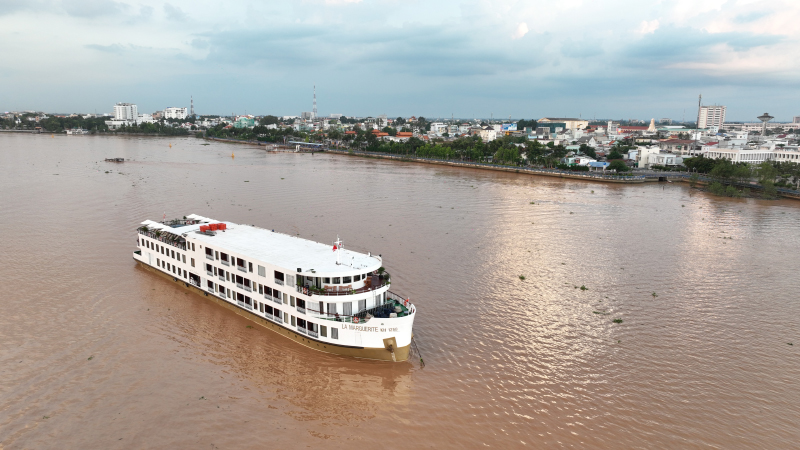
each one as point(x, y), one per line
point(711, 116)
point(191, 104)
point(314, 110)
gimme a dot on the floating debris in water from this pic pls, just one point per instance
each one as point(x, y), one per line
point(617, 320)
point(522, 277)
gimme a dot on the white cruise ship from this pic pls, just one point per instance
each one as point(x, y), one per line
point(322, 296)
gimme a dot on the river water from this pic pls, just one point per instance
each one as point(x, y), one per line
point(97, 353)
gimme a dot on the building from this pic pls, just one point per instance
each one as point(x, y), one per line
point(176, 113)
point(569, 123)
point(488, 135)
point(306, 115)
point(796, 119)
point(244, 122)
point(711, 116)
point(126, 112)
point(742, 154)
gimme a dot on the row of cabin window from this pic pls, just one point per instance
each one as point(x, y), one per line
point(171, 268)
point(163, 250)
point(217, 255)
point(267, 309)
point(344, 280)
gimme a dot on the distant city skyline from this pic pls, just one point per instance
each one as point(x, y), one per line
point(621, 58)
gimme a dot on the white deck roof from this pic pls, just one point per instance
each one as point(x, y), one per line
point(282, 250)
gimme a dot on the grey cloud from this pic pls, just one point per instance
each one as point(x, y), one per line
point(669, 45)
point(174, 13)
point(113, 48)
point(93, 8)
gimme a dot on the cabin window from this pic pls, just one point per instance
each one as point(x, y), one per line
point(285, 299)
point(240, 262)
point(289, 280)
point(192, 262)
point(184, 258)
point(192, 246)
point(334, 333)
point(331, 308)
point(362, 305)
point(268, 291)
point(337, 280)
point(260, 290)
point(291, 300)
point(294, 322)
point(347, 308)
point(262, 272)
point(278, 275)
point(209, 252)
point(285, 317)
point(357, 278)
point(326, 280)
point(172, 254)
point(320, 307)
point(227, 276)
point(250, 267)
point(323, 331)
point(346, 280)
point(158, 262)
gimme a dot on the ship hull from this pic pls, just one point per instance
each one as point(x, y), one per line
point(398, 355)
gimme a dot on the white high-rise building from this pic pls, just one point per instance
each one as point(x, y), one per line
point(176, 113)
point(796, 119)
point(711, 116)
point(126, 111)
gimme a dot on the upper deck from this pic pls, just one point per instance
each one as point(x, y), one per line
point(291, 253)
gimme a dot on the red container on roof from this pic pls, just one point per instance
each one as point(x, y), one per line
point(212, 226)
point(203, 228)
point(222, 226)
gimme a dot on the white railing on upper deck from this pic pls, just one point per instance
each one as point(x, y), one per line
point(277, 281)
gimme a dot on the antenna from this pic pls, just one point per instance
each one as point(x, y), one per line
point(314, 110)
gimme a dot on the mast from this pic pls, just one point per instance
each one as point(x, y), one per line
point(314, 110)
point(338, 246)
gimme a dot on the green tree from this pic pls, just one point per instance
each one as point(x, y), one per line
point(618, 166)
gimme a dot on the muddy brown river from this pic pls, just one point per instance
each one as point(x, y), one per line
point(97, 353)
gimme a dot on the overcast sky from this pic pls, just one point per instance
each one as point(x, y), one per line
point(527, 59)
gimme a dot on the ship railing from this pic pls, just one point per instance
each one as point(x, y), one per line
point(224, 262)
point(302, 330)
point(312, 333)
point(211, 257)
point(274, 299)
point(247, 288)
point(221, 277)
point(241, 269)
point(277, 281)
point(194, 283)
point(244, 305)
point(300, 309)
point(276, 318)
point(383, 311)
point(210, 273)
point(305, 290)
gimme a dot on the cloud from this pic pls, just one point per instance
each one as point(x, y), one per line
point(174, 13)
point(93, 8)
point(648, 27)
point(113, 48)
point(522, 30)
